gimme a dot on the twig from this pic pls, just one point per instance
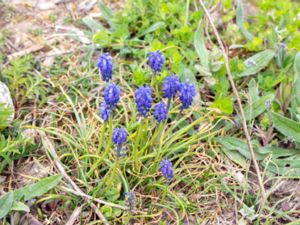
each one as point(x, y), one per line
point(31, 49)
point(230, 77)
point(49, 146)
point(74, 216)
point(81, 194)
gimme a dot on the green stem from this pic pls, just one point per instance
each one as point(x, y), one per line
point(137, 144)
point(103, 129)
point(186, 18)
point(99, 161)
point(112, 176)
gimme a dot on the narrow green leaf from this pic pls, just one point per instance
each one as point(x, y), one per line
point(19, 206)
point(199, 44)
point(257, 62)
point(240, 21)
point(37, 189)
point(6, 202)
point(152, 28)
point(287, 127)
point(253, 90)
point(107, 13)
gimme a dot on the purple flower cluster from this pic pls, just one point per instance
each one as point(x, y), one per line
point(105, 111)
point(111, 98)
point(156, 61)
point(186, 94)
point(160, 112)
point(112, 95)
point(104, 63)
point(166, 168)
point(143, 100)
point(171, 86)
point(119, 136)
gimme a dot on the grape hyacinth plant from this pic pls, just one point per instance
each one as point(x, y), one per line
point(166, 168)
point(171, 86)
point(104, 63)
point(112, 95)
point(156, 61)
point(186, 94)
point(119, 137)
point(160, 112)
point(105, 111)
point(143, 100)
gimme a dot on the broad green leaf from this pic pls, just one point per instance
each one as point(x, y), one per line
point(240, 21)
point(277, 152)
point(253, 90)
point(233, 143)
point(237, 150)
point(6, 203)
point(199, 44)
point(224, 104)
point(297, 67)
point(112, 194)
point(102, 38)
point(287, 127)
point(295, 102)
point(107, 211)
point(152, 28)
point(203, 70)
point(287, 171)
point(19, 206)
point(236, 157)
point(288, 166)
point(37, 189)
point(256, 108)
point(257, 62)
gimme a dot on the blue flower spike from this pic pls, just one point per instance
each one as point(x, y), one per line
point(171, 86)
point(156, 61)
point(104, 63)
point(143, 100)
point(112, 95)
point(119, 137)
point(105, 111)
point(187, 93)
point(166, 168)
point(160, 112)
